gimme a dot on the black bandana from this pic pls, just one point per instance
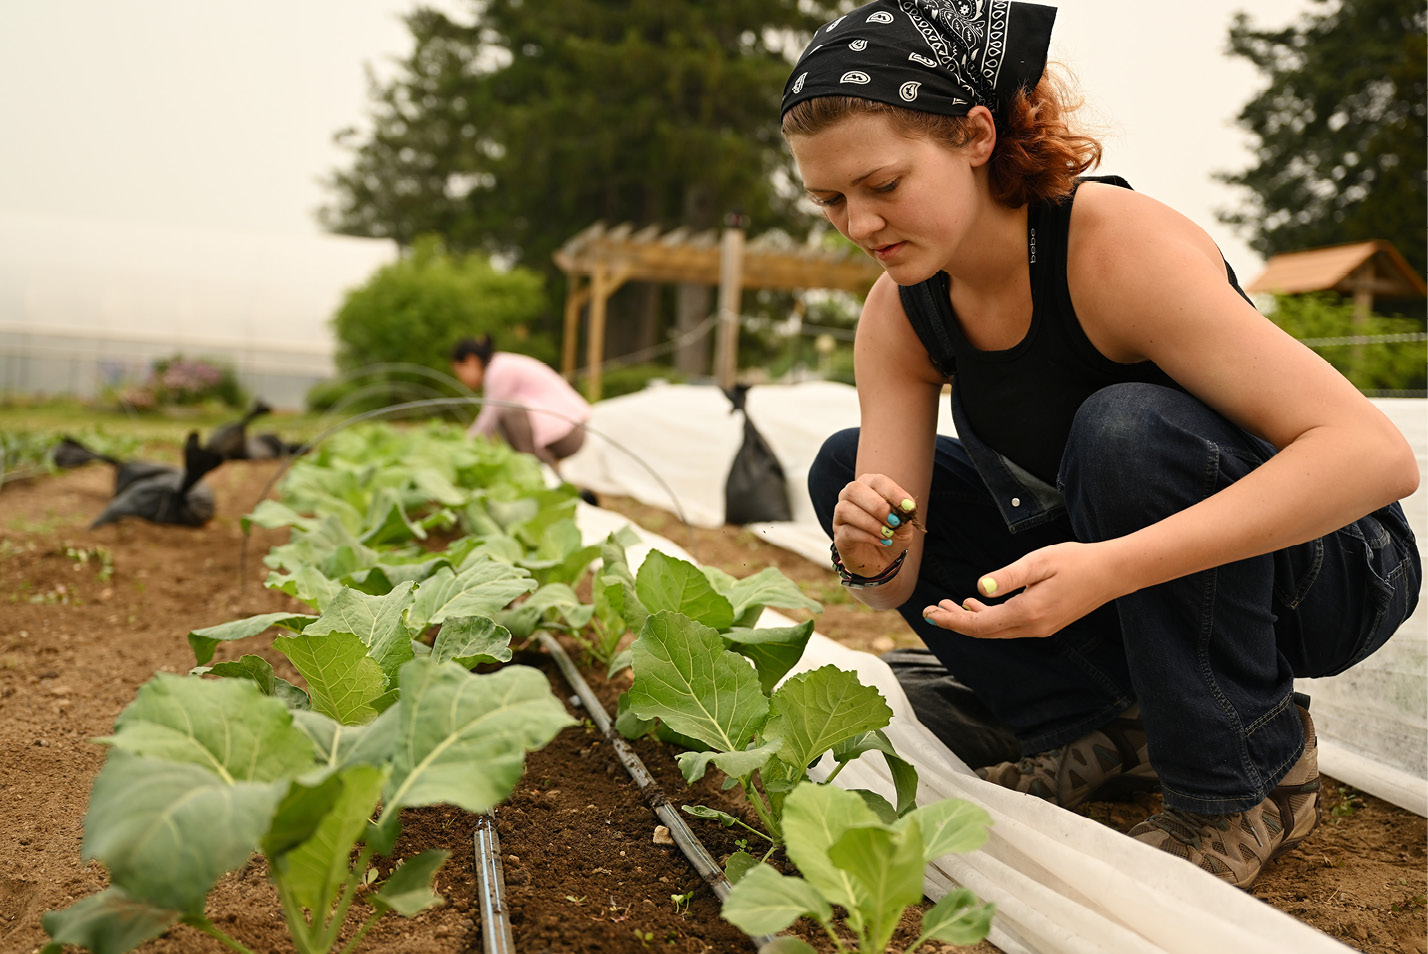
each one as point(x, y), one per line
point(937, 56)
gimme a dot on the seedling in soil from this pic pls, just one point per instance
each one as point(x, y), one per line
point(102, 557)
point(203, 773)
point(763, 741)
point(870, 868)
point(681, 901)
point(1349, 803)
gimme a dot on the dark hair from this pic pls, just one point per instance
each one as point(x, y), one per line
point(480, 347)
point(1037, 157)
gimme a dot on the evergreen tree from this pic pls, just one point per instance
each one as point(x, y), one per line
point(510, 131)
point(1340, 127)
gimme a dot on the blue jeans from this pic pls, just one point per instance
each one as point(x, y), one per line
point(1211, 657)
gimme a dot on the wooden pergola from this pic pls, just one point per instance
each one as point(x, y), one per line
point(598, 260)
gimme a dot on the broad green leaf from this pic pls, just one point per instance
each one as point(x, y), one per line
point(342, 680)
point(273, 513)
point(669, 583)
point(167, 830)
point(302, 808)
point(462, 738)
point(740, 863)
point(387, 524)
point(958, 918)
point(788, 945)
point(813, 711)
point(338, 745)
point(904, 773)
point(685, 678)
point(226, 726)
point(887, 866)
point(382, 578)
point(881, 806)
point(627, 723)
point(205, 640)
point(774, 650)
point(768, 587)
point(469, 641)
point(953, 824)
point(261, 672)
point(109, 922)
point(480, 590)
point(814, 818)
point(711, 814)
point(315, 869)
point(379, 621)
point(306, 583)
point(765, 902)
point(525, 617)
point(739, 765)
point(409, 889)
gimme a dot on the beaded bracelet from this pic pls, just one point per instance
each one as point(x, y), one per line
point(855, 582)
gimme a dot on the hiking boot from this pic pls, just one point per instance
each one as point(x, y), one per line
point(1107, 764)
point(1237, 846)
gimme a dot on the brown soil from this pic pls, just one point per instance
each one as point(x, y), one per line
point(584, 872)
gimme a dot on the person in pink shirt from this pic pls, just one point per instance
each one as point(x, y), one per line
point(529, 405)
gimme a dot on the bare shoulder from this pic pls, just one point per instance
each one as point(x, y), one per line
point(1111, 225)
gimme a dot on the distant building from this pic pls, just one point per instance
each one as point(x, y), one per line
point(86, 304)
point(1362, 271)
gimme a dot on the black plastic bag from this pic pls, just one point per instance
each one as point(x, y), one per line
point(163, 494)
point(756, 489)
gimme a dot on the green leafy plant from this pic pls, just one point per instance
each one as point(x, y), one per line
point(764, 742)
point(850, 858)
point(202, 773)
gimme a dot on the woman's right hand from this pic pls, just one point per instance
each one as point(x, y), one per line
point(871, 523)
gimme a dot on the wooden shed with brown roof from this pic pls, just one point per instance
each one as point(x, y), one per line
point(1362, 270)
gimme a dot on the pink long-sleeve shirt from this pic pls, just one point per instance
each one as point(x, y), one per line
point(520, 379)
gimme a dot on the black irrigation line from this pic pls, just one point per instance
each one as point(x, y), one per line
point(679, 830)
point(496, 936)
point(430, 404)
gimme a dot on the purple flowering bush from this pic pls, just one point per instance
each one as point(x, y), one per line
point(183, 382)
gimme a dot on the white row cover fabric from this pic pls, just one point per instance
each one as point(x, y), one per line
point(1062, 883)
point(670, 446)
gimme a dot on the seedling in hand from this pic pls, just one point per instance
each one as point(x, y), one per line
point(907, 513)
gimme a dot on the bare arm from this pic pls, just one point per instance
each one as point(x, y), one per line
point(898, 392)
point(1148, 284)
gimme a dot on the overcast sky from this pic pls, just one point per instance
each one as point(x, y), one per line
point(220, 114)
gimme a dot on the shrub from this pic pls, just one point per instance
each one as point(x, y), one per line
point(413, 310)
point(1370, 366)
point(183, 382)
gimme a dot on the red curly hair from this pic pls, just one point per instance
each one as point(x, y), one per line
point(1037, 157)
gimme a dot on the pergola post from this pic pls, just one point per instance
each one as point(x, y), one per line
point(726, 338)
point(576, 295)
point(595, 343)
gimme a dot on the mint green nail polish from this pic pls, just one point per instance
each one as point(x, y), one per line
point(888, 532)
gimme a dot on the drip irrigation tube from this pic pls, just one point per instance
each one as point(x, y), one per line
point(685, 838)
point(496, 937)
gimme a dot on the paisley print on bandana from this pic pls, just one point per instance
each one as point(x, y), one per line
point(944, 56)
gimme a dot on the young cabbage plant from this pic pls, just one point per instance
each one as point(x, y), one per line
point(351, 655)
point(764, 742)
point(728, 605)
point(203, 773)
point(850, 858)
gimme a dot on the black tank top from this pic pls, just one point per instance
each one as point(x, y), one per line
point(1021, 401)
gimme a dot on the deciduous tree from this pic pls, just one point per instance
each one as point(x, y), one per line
point(1340, 128)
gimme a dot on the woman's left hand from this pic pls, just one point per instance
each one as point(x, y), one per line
point(1059, 584)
